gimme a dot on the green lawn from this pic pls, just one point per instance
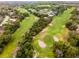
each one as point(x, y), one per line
point(17, 36)
point(57, 27)
point(22, 10)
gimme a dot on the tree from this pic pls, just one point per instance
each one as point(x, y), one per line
point(71, 26)
point(73, 39)
point(66, 49)
point(71, 52)
point(4, 39)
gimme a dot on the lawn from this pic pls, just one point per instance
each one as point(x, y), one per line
point(58, 24)
point(22, 10)
point(17, 36)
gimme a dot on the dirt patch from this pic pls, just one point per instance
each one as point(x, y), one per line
point(15, 52)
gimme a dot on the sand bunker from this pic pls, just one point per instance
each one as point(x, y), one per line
point(55, 38)
point(41, 44)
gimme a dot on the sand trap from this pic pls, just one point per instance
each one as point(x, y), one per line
point(50, 24)
point(41, 44)
point(55, 38)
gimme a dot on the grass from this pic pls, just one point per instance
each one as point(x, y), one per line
point(58, 24)
point(22, 10)
point(17, 36)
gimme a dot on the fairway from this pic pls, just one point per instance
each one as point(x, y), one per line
point(57, 26)
point(17, 36)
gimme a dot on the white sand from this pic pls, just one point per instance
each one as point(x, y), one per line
point(50, 24)
point(41, 44)
point(55, 38)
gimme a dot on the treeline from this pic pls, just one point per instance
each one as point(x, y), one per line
point(65, 50)
point(73, 22)
point(74, 34)
point(7, 35)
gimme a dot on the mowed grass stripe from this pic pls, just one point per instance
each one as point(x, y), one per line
point(56, 27)
point(17, 36)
